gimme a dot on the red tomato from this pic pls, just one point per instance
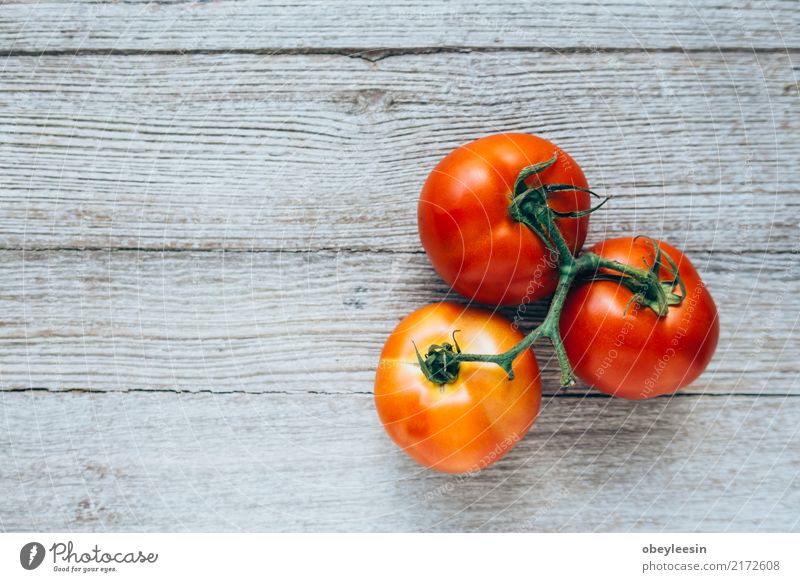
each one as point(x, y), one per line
point(465, 226)
point(469, 424)
point(637, 354)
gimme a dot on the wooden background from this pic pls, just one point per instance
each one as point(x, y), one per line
point(207, 229)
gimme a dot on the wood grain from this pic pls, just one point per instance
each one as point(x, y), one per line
point(361, 25)
point(251, 152)
point(166, 462)
point(302, 322)
point(207, 213)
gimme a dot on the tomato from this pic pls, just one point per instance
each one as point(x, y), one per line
point(468, 424)
point(626, 349)
point(465, 226)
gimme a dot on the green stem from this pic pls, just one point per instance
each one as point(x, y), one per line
point(549, 328)
point(638, 274)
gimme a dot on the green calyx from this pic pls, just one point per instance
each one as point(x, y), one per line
point(529, 205)
point(646, 285)
point(440, 364)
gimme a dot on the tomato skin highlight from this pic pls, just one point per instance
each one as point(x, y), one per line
point(469, 424)
point(465, 226)
point(638, 355)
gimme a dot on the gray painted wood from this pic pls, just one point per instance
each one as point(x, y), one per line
point(305, 322)
point(211, 152)
point(155, 462)
point(362, 25)
point(169, 133)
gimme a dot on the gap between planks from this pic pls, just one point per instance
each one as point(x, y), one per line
point(299, 251)
point(373, 55)
point(687, 393)
point(150, 462)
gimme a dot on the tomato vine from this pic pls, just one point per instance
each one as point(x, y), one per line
point(529, 206)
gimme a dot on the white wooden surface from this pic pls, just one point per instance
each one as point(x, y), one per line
point(153, 461)
point(207, 229)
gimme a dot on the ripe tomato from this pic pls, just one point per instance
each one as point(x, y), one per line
point(636, 354)
point(465, 226)
point(469, 424)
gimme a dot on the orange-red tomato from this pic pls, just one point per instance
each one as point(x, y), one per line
point(465, 226)
point(626, 349)
point(469, 424)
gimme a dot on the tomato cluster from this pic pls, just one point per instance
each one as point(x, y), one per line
point(503, 220)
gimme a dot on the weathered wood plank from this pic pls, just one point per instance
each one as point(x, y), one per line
point(221, 151)
point(165, 462)
point(305, 322)
point(269, 25)
point(309, 152)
